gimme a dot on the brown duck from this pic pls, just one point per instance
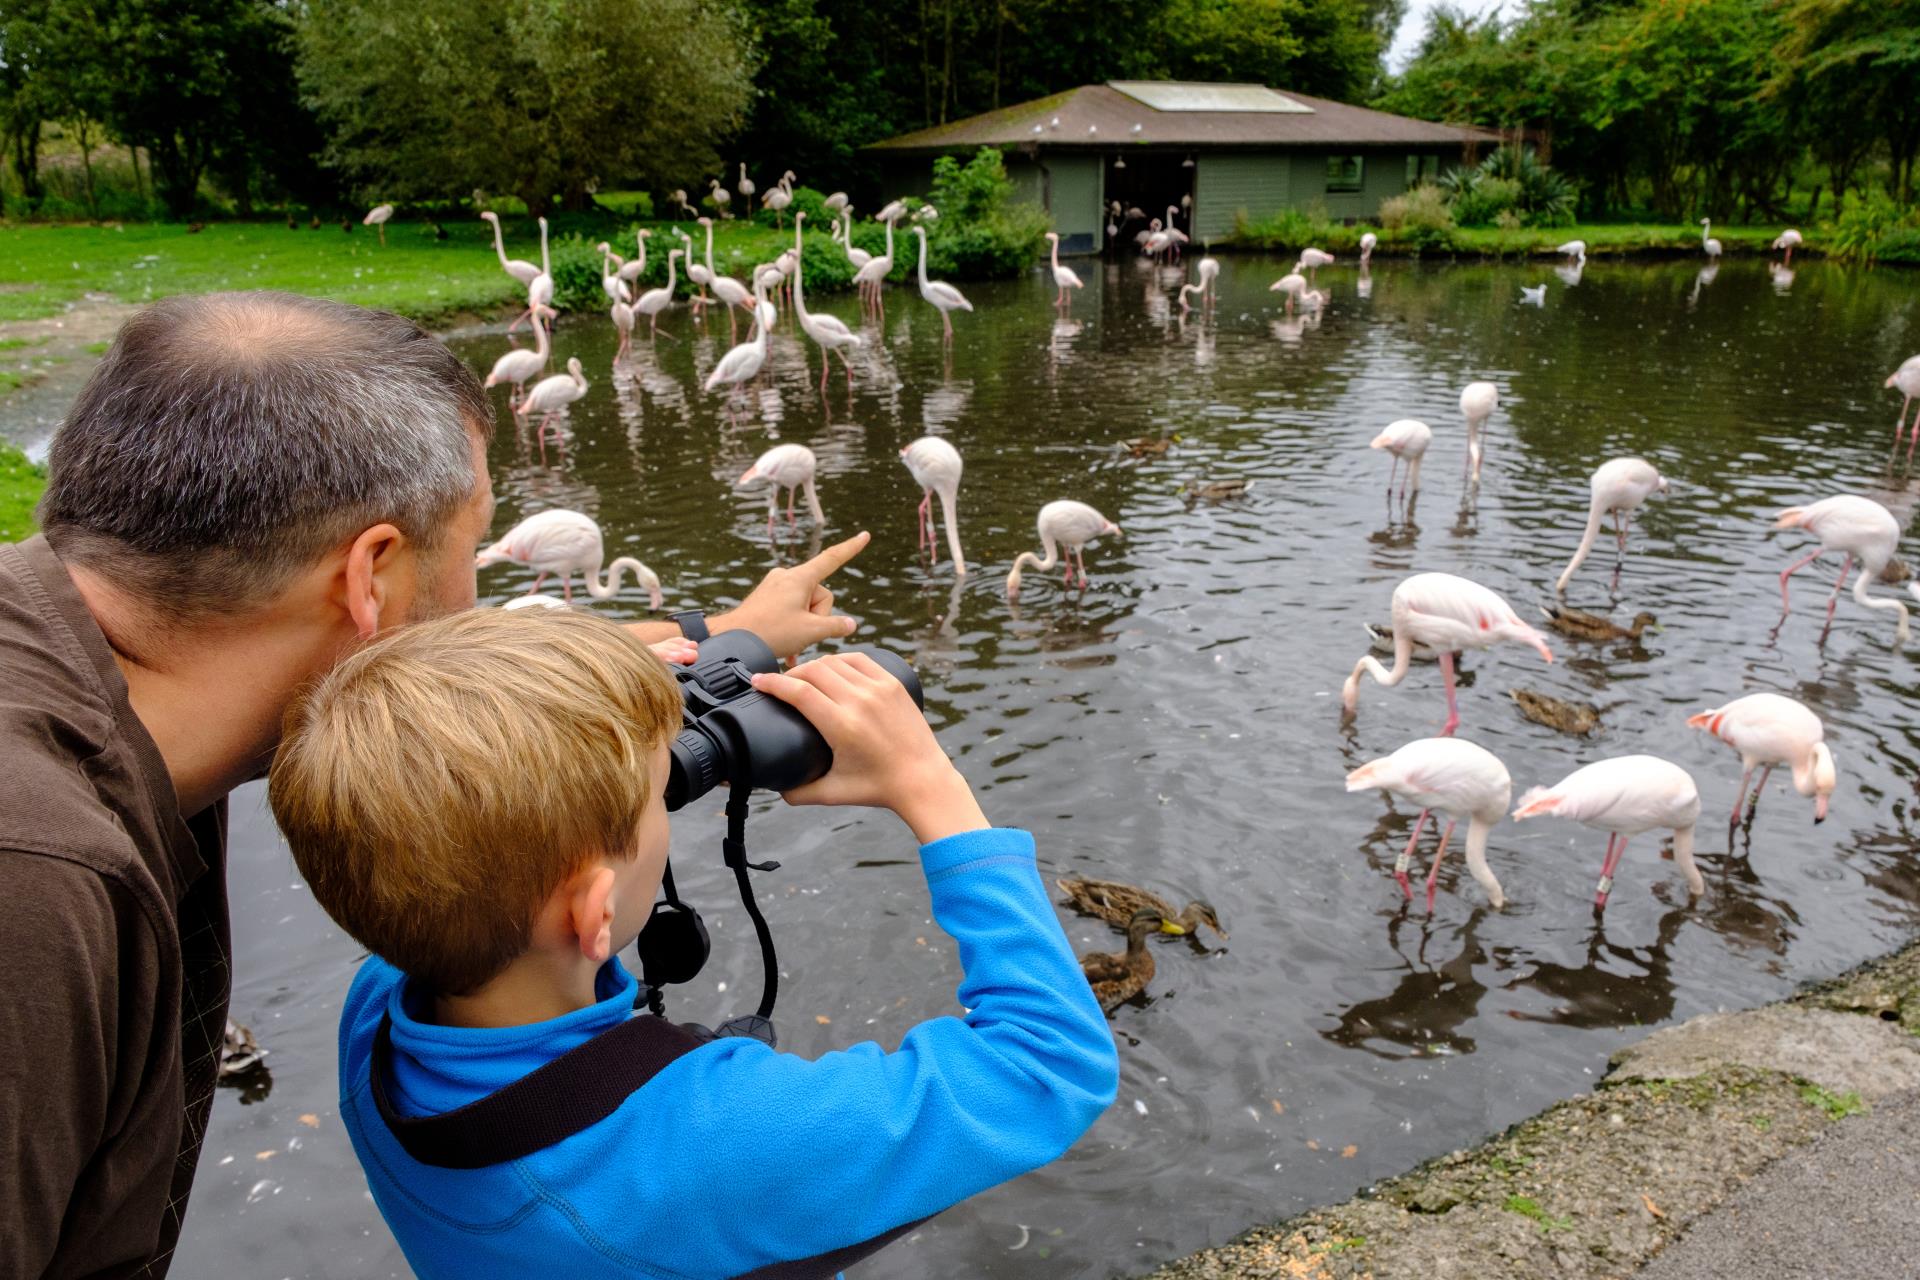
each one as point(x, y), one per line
point(1580, 719)
point(1116, 979)
point(1214, 490)
point(1591, 626)
point(1149, 446)
point(1117, 903)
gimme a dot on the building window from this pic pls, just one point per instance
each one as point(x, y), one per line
point(1344, 173)
point(1422, 169)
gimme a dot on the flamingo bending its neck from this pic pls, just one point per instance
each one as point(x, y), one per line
point(1619, 487)
point(790, 467)
point(1768, 729)
point(1460, 780)
point(516, 366)
point(935, 466)
point(1858, 528)
point(1407, 441)
point(1907, 379)
point(1625, 797)
point(1071, 525)
point(1478, 400)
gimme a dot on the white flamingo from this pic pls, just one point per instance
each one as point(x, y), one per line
point(779, 197)
point(1575, 249)
point(1768, 729)
point(551, 396)
point(1064, 278)
point(610, 282)
point(1459, 779)
point(1447, 614)
point(1367, 244)
point(1707, 242)
point(938, 292)
point(651, 303)
point(719, 196)
point(1206, 269)
point(871, 277)
point(1293, 284)
point(858, 257)
point(516, 366)
point(1788, 240)
point(519, 268)
point(1478, 400)
point(540, 291)
point(1625, 797)
point(1314, 258)
point(746, 188)
point(1407, 440)
point(935, 466)
point(744, 362)
point(790, 467)
point(830, 333)
point(566, 543)
point(630, 272)
point(377, 219)
point(1907, 379)
point(1858, 528)
point(1071, 525)
point(726, 288)
point(1619, 488)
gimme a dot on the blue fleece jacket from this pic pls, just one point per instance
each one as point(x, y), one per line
point(735, 1155)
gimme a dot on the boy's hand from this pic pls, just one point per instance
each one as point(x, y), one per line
point(677, 652)
point(884, 753)
point(793, 608)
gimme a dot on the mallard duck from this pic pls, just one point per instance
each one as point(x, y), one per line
point(1214, 490)
point(1381, 634)
point(1580, 719)
point(1117, 903)
point(1116, 978)
point(239, 1051)
point(1149, 446)
point(1591, 626)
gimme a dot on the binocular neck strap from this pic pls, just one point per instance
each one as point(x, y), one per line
point(734, 848)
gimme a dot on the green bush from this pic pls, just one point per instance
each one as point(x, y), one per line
point(1901, 245)
point(1420, 218)
point(1511, 180)
point(982, 232)
point(1295, 229)
point(1484, 200)
point(1868, 226)
point(576, 274)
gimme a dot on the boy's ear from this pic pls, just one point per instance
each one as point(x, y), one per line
point(590, 911)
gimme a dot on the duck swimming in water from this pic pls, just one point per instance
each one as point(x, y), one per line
point(1117, 978)
point(1580, 719)
point(1118, 903)
point(1591, 626)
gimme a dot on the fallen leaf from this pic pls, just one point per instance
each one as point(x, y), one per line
point(1349, 1151)
point(1312, 1145)
point(919, 942)
point(265, 1155)
point(822, 1019)
point(1279, 1107)
point(310, 1120)
point(1652, 1208)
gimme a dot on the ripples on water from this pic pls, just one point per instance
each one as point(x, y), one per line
point(1177, 724)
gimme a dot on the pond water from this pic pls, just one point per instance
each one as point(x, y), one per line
point(1177, 723)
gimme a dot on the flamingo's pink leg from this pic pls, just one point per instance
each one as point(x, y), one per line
point(1786, 604)
point(791, 495)
point(1433, 875)
point(1392, 471)
point(538, 579)
point(1833, 600)
point(923, 525)
point(1453, 709)
point(1616, 846)
point(1913, 439)
point(566, 588)
point(1406, 855)
point(1753, 806)
point(1080, 554)
point(1739, 796)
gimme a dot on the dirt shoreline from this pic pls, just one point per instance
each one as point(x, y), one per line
point(1595, 1186)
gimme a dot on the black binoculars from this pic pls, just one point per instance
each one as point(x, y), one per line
point(734, 733)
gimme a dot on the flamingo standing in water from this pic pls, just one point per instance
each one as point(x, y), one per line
point(519, 268)
point(1619, 486)
point(856, 256)
point(1206, 269)
point(377, 219)
point(516, 366)
point(744, 362)
point(1859, 528)
point(789, 467)
point(1407, 441)
point(1064, 278)
point(540, 290)
point(1315, 258)
point(610, 282)
point(1071, 525)
point(1907, 379)
point(1769, 729)
point(1788, 240)
point(1707, 242)
point(1460, 780)
point(551, 396)
point(1574, 249)
point(630, 272)
point(1176, 238)
point(1625, 797)
point(1448, 615)
point(697, 273)
point(829, 332)
point(935, 466)
point(1367, 245)
point(1478, 400)
point(651, 303)
point(1293, 284)
point(871, 277)
point(726, 288)
point(938, 292)
point(566, 543)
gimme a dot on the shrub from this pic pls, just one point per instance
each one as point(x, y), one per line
point(1865, 228)
point(1484, 200)
point(1293, 229)
point(1419, 218)
point(576, 274)
point(982, 232)
point(1512, 179)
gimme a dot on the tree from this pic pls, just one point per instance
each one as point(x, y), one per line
point(541, 100)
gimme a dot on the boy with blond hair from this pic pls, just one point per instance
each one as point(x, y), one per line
point(479, 801)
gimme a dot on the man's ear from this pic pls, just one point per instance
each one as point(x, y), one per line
point(376, 561)
point(590, 911)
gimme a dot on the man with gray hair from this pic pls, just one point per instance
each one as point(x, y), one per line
point(248, 487)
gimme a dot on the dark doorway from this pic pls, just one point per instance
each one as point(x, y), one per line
point(1148, 181)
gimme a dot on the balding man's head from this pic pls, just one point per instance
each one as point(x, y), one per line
point(228, 441)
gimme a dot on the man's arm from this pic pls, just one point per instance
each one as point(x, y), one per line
point(791, 609)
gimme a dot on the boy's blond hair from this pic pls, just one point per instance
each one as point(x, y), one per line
point(439, 784)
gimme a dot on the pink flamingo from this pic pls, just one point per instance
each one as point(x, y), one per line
point(516, 366)
point(1065, 278)
point(519, 268)
point(1448, 615)
point(1788, 240)
point(1620, 487)
point(651, 303)
point(1860, 528)
point(1206, 269)
point(1625, 797)
point(726, 288)
point(790, 467)
point(1907, 378)
point(1406, 440)
point(830, 333)
point(1460, 780)
point(1367, 244)
point(551, 396)
point(1478, 400)
point(873, 275)
point(377, 218)
point(1071, 525)
point(1768, 729)
point(1313, 259)
point(942, 295)
point(540, 289)
point(935, 466)
point(566, 543)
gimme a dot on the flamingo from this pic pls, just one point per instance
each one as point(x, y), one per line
point(829, 332)
point(726, 288)
point(779, 198)
point(1154, 240)
point(1175, 236)
point(871, 276)
point(377, 219)
point(1575, 249)
point(1620, 487)
point(697, 273)
point(1312, 258)
point(1859, 528)
point(610, 282)
point(744, 362)
point(1293, 284)
point(1625, 797)
point(567, 542)
point(719, 196)
point(1907, 379)
point(1478, 400)
point(1064, 278)
point(1707, 241)
point(552, 395)
point(540, 289)
point(1768, 729)
point(630, 272)
point(858, 257)
point(1788, 240)
point(789, 467)
point(516, 366)
point(1406, 440)
point(835, 203)
point(935, 466)
point(746, 188)
point(1446, 614)
point(1070, 524)
point(1460, 780)
point(939, 292)
point(678, 198)
point(623, 315)
point(519, 268)
point(1207, 269)
point(651, 303)
point(1367, 243)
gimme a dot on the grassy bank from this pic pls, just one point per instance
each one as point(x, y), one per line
point(1293, 232)
point(20, 485)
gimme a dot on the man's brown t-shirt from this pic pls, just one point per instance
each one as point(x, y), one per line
point(113, 942)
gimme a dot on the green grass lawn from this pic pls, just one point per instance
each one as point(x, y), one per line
point(20, 486)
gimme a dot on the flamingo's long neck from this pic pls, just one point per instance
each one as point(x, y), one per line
point(1056, 255)
point(889, 240)
point(539, 337)
point(1477, 831)
point(813, 501)
point(923, 259)
point(1706, 229)
point(1051, 559)
point(1595, 513)
point(611, 587)
point(546, 263)
point(949, 500)
point(1402, 663)
point(710, 250)
point(641, 241)
point(671, 256)
point(499, 244)
point(1683, 858)
point(1876, 602)
point(799, 254)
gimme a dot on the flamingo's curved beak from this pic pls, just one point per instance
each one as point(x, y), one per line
point(1819, 810)
point(749, 475)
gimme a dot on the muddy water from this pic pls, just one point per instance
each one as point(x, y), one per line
point(1177, 723)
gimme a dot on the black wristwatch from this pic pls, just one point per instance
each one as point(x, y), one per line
point(692, 624)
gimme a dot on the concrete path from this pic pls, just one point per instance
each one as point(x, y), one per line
point(1847, 1204)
